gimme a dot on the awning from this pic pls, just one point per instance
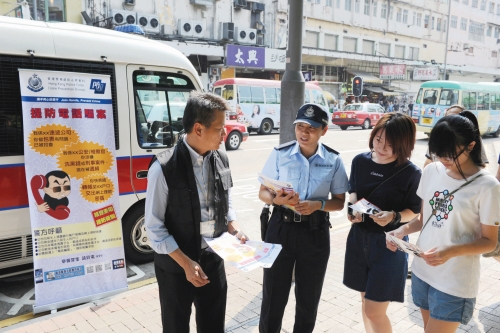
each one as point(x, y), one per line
point(376, 90)
point(394, 91)
point(367, 77)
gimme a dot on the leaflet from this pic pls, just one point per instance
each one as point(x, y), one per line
point(275, 185)
point(404, 246)
point(245, 257)
point(365, 207)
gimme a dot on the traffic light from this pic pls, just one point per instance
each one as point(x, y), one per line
point(357, 86)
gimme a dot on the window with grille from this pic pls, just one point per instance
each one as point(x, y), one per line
point(348, 5)
point(375, 8)
point(384, 49)
point(476, 31)
point(366, 9)
point(419, 19)
point(405, 16)
point(383, 11)
point(399, 13)
point(463, 24)
point(453, 22)
point(368, 47)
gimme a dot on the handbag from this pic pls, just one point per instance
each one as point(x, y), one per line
point(264, 221)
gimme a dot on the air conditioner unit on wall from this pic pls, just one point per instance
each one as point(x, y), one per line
point(226, 31)
point(240, 3)
point(124, 17)
point(150, 23)
point(199, 29)
point(245, 35)
point(258, 7)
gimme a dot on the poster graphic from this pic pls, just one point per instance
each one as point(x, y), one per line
point(72, 187)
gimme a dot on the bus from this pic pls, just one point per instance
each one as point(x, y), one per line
point(435, 97)
point(144, 73)
point(257, 102)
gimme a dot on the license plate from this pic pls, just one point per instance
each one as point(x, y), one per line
point(342, 115)
point(427, 121)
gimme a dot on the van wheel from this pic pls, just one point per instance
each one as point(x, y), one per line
point(266, 127)
point(366, 124)
point(343, 128)
point(135, 239)
point(233, 140)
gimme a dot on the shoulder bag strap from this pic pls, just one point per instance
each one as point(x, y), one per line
point(376, 188)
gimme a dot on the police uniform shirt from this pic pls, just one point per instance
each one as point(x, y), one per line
point(313, 178)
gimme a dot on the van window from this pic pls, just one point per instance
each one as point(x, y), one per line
point(272, 96)
point(244, 94)
point(160, 100)
point(257, 95)
point(448, 97)
point(306, 97)
point(228, 92)
point(430, 96)
point(469, 100)
point(483, 101)
point(218, 91)
point(419, 96)
point(495, 102)
point(318, 97)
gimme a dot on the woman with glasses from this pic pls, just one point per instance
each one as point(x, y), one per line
point(458, 222)
point(385, 177)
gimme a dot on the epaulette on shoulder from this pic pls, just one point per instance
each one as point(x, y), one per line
point(284, 145)
point(331, 150)
point(162, 157)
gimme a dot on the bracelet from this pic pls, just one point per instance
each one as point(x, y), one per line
point(322, 204)
point(235, 232)
point(396, 219)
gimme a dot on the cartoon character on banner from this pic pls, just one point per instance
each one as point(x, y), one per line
point(57, 186)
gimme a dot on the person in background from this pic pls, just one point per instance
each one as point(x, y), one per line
point(189, 197)
point(455, 109)
point(458, 222)
point(390, 108)
point(385, 177)
point(319, 184)
point(498, 171)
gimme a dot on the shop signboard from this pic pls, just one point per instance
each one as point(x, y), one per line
point(425, 73)
point(392, 72)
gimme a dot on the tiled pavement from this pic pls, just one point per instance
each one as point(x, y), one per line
point(339, 311)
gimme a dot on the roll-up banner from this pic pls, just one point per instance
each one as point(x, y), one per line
point(72, 184)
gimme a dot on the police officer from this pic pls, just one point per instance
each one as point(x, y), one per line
point(315, 171)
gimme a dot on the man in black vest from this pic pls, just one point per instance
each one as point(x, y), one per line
point(188, 198)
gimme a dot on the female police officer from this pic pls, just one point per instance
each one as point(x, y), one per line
point(315, 171)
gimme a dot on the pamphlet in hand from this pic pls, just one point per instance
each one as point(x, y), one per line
point(246, 257)
point(275, 185)
point(404, 246)
point(365, 207)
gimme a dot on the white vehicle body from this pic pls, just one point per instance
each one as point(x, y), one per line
point(138, 67)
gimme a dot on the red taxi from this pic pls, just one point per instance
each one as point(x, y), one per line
point(365, 115)
point(236, 133)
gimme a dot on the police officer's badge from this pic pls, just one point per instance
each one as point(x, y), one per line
point(309, 112)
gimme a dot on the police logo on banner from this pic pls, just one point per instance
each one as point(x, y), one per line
point(35, 83)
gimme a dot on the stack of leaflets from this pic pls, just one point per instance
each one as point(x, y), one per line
point(364, 206)
point(404, 246)
point(274, 185)
point(245, 257)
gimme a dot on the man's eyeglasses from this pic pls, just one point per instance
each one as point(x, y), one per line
point(57, 189)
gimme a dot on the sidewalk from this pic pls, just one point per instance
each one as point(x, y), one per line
point(339, 311)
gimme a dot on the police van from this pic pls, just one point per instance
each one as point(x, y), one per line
point(143, 73)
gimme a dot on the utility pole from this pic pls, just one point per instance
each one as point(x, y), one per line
point(447, 33)
point(293, 84)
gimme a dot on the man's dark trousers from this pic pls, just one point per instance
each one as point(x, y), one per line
point(177, 295)
point(309, 251)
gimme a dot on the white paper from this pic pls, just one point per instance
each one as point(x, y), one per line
point(404, 246)
point(245, 257)
point(365, 207)
point(275, 185)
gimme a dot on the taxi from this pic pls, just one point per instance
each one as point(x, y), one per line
point(365, 115)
